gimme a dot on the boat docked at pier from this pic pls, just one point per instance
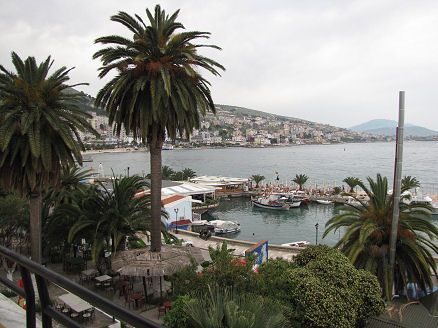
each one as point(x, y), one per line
point(269, 202)
point(324, 202)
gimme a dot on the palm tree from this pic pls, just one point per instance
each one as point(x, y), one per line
point(300, 179)
point(257, 179)
point(366, 240)
point(158, 89)
point(352, 182)
point(72, 178)
point(111, 214)
point(39, 124)
point(167, 173)
point(188, 173)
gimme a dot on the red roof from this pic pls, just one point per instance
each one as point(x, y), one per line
point(172, 199)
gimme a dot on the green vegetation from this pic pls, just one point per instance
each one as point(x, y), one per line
point(158, 88)
point(300, 179)
point(257, 178)
point(366, 241)
point(320, 289)
point(14, 221)
point(352, 182)
point(39, 124)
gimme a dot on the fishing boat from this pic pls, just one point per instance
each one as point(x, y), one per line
point(289, 201)
point(324, 202)
point(269, 202)
point(302, 243)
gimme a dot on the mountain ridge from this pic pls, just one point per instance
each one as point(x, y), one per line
point(388, 128)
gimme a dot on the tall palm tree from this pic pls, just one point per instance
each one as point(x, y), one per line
point(352, 182)
point(257, 178)
point(367, 236)
point(39, 132)
point(300, 179)
point(158, 89)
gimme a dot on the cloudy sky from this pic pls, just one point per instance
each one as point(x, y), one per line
point(335, 62)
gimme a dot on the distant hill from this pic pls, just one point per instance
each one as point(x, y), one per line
point(388, 128)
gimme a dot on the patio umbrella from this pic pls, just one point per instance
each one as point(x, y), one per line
point(144, 263)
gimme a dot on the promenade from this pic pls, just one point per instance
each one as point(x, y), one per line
point(239, 246)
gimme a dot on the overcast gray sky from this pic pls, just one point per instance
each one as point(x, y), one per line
point(335, 62)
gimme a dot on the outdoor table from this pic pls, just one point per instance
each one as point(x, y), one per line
point(136, 297)
point(75, 303)
point(103, 278)
point(88, 274)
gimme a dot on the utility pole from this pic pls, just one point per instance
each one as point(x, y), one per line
point(397, 177)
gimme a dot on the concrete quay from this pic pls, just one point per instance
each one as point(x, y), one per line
point(239, 246)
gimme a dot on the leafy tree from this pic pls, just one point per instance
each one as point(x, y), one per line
point(158, 89)
point(327, 291)
point(368, 227)
point(14, 221)
point(352, 182)
point(300, 179)
point(257, 178)
point(39, 124)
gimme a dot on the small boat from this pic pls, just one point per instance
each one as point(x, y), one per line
point(289, 201)
point(324, 202)
point(222, 227)
point(272, 205)
point(302, 243)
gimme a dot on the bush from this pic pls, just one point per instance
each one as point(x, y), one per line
point(328, 291)
point(177, 317)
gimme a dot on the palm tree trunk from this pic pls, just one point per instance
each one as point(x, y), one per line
point(35, 226)
point(155, 157)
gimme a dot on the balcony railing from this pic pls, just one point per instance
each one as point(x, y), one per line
point(42, 275)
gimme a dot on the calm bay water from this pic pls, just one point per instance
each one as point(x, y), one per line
point(322, 163)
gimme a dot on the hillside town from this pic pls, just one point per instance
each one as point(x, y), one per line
point(236, 126)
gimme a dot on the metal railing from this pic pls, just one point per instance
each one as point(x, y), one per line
point(42, 275)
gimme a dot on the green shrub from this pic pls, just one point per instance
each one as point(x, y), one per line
point(177, 317)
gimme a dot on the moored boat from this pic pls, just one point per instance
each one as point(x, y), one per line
point(324, 202)
point(269, 203)
point(302, 243)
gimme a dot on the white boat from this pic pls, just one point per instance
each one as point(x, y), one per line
point(289, 201)
point(273, 205)
point(324, 202)
point(221, 227)
point(302, 243)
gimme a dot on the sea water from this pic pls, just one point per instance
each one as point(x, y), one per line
point(323, 164)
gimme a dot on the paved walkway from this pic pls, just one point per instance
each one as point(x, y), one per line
point(239, 246)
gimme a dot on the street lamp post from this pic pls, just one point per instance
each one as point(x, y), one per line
point(176, 215)
point(316, 235)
